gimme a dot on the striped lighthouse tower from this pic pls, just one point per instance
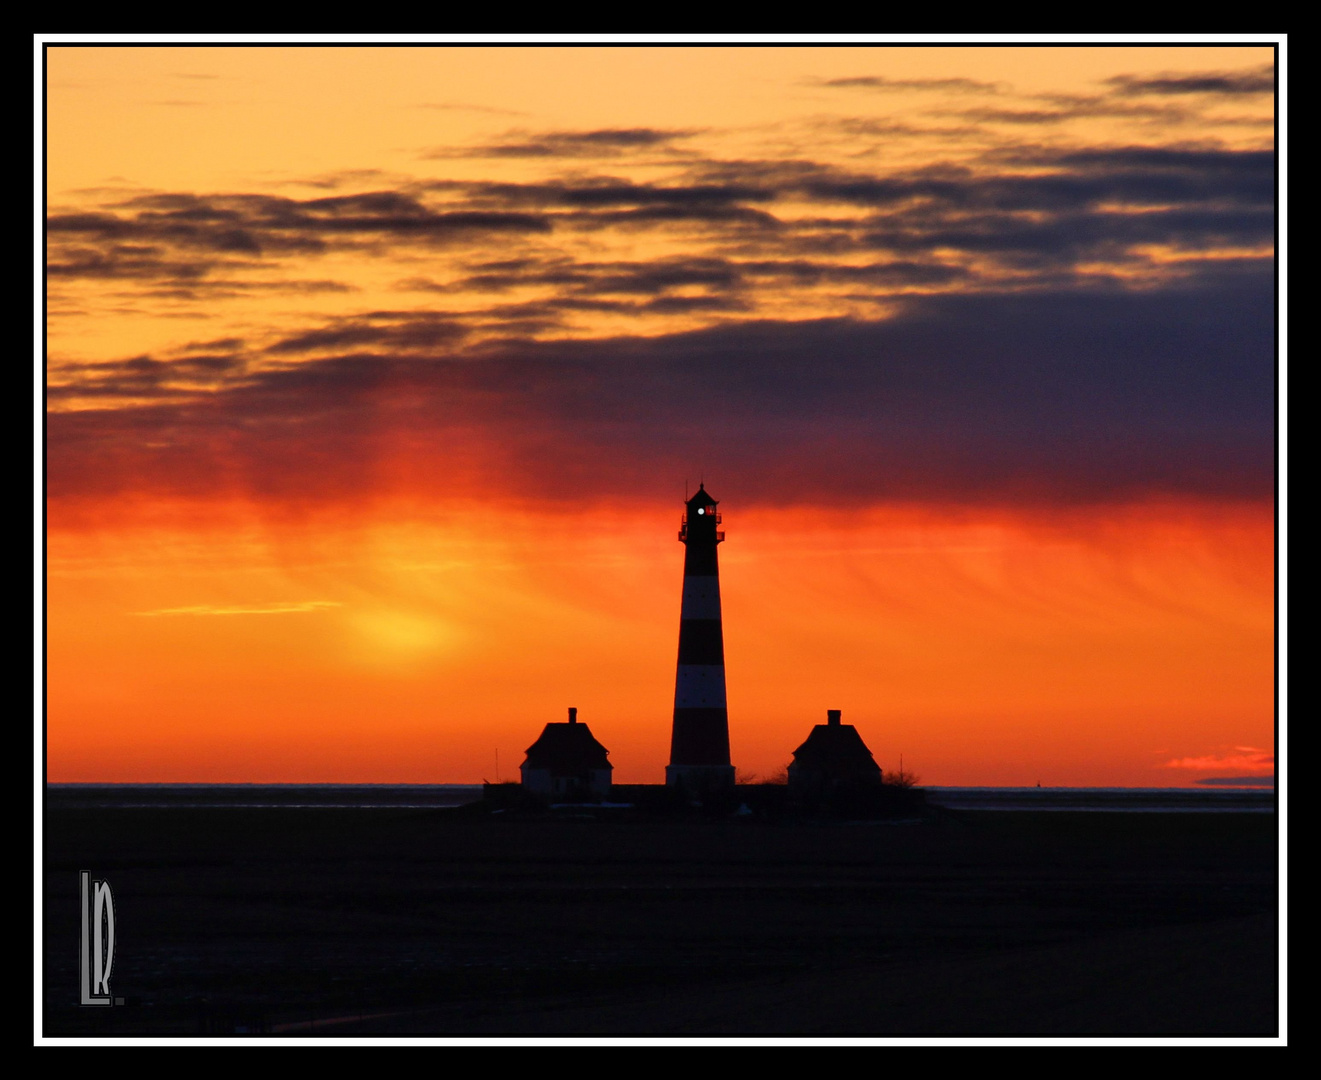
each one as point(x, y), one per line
point(699, 743)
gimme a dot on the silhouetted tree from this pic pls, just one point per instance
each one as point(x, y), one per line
point(900, 778)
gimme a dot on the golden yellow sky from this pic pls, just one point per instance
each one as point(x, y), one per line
point(204, 118)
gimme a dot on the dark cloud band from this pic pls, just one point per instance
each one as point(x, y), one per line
point(1071, 395)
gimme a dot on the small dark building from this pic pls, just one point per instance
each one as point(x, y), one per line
point(833, 756)
point(567, 762)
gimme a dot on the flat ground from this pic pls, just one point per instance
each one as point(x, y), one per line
point(334, 922)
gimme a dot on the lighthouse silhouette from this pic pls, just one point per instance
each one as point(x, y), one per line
point(699, 741)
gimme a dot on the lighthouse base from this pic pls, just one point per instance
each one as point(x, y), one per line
point(700, 779)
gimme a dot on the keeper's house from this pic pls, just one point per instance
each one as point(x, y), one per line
point(567, 762)
point(833, 755)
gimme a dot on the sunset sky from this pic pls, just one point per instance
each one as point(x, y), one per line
point(375, 377)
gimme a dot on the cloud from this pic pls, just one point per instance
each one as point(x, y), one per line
point(463, 106)
point(1246, 759)
point(606, 277)
point(1060, 108)
point(1068, 324)
point(342, 178)
point(1111, 178)
point(726, 284)
point(1230, 83)
point(1238, 781)
point(880, 82)
point(600, 143)
point(293, 608)
point(1075, 394)
point(1072, 238)
point(227, 344)
point(1213, 168)
point(888, 128)
point(1168, 98)
point(142, 236)
point(612, 193)
point(1023, 211)
point(141, 378)
point(399, 331)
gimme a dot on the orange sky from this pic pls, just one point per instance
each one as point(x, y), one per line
point(281, 547)
point(986, 647)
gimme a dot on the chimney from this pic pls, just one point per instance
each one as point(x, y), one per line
point(573, 715)
point(832, 717)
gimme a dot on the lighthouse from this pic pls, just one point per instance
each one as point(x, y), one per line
point(699, 740)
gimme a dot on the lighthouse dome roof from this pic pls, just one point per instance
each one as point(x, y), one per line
point(702, 498)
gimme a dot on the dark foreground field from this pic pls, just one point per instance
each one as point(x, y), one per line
point(332, 922)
